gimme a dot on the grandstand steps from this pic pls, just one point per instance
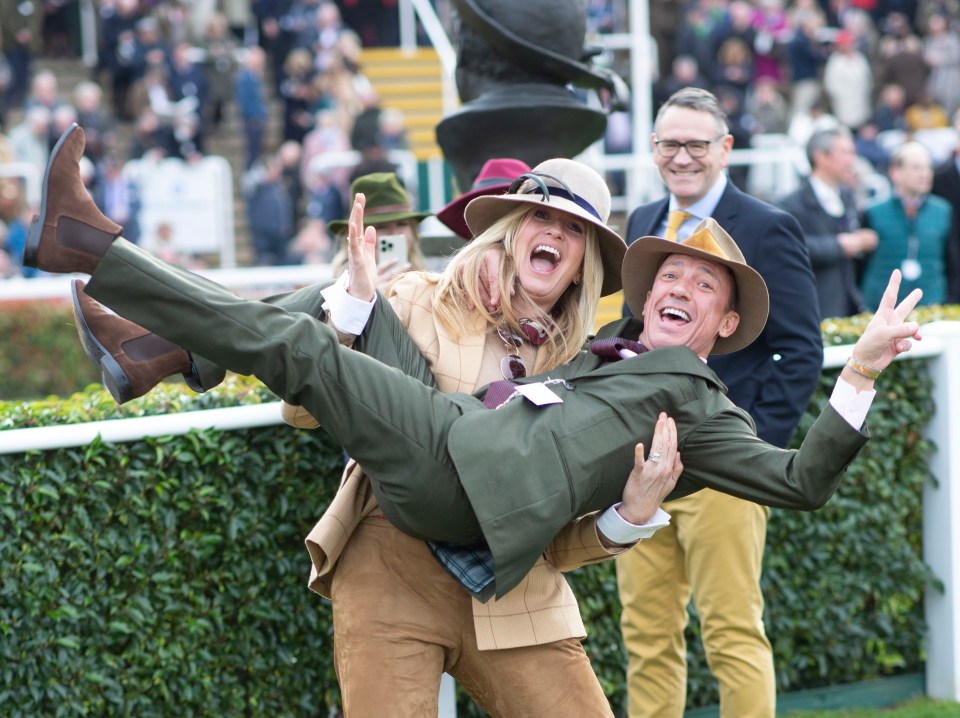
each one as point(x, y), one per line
point(228, 141)
point(410, 81)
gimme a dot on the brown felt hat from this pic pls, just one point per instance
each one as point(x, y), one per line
point(708, 241)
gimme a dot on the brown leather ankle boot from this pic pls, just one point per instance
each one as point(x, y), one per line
point(131, 359)
point(70, 234)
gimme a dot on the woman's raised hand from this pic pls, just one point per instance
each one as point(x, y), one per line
point(361, 253)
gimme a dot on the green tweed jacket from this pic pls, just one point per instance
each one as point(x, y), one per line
point(567, 461)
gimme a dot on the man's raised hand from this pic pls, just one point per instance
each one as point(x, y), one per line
point(888, 334)
point(653, 477)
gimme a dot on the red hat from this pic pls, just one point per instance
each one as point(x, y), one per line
point(843, 38)
point(495, 177)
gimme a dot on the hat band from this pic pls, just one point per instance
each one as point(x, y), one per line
point(388, 209)
point(575, 198)
point(490, 182)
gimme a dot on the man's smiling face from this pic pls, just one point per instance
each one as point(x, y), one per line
point(690, 178)
point(689, 305)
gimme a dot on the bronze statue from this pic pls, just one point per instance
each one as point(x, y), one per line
point(516, 59)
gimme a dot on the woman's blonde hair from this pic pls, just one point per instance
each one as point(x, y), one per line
point(458, 293)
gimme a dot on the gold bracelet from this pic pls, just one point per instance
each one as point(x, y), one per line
point(864, 370)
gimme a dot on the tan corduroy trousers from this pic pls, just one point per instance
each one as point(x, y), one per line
point(400, 621)
point(714, 547)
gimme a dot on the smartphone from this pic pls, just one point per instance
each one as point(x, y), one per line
point(393, 246)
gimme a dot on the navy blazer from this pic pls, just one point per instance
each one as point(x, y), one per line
point(946, 184)
point(835, 273)
point(774, 378)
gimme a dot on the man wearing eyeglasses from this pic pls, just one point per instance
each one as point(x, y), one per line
point(713, 550)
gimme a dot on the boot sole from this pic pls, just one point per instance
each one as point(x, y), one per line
point(114, 378)
point(32, 246)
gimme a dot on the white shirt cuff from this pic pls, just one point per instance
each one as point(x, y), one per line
point(617, 529)
point(851, 404)
point(348, 314)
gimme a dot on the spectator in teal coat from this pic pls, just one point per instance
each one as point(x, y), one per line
point(912, 228)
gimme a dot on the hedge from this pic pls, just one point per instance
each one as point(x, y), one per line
point(41, 354)
point(167, 576)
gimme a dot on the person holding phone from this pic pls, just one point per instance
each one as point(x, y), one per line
point(391, 214)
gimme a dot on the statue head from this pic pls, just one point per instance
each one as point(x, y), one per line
point(515, 61)
point(503, 42)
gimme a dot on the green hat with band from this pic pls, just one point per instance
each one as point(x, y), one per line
point(387, 201)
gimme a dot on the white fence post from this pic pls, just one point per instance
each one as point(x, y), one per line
point(448, 697)
point(941, 517)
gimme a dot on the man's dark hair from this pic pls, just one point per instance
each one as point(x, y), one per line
point(694, 98)
point(822, 141)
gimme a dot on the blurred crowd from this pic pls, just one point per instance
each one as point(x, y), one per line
point(868, 91)
point(882, 68)
point(176, 73)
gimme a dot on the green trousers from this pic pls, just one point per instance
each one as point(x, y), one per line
point(375, 407)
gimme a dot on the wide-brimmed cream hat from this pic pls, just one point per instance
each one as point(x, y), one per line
point(566, 185)
point(708, 241)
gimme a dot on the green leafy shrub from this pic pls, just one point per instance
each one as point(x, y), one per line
point(165, 576)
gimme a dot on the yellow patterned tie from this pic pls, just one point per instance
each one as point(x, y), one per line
point(674, 220)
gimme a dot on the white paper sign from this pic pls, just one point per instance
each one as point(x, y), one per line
point(539, 393)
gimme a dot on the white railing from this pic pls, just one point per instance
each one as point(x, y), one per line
point(43, 438)
point(941, 515)
point(252, 282)
point(938, 337)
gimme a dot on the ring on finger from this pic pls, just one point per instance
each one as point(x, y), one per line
point(654, 457)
